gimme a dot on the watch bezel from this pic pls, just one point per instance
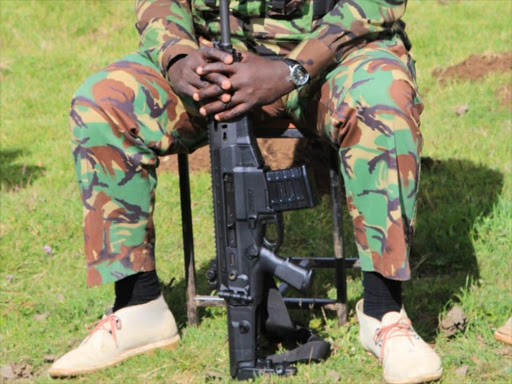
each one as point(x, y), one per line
point(295, 66)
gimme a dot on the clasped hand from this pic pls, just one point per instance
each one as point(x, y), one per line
point(227, 89)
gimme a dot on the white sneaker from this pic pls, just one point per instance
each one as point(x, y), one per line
point(125, 333)
point(405, 357)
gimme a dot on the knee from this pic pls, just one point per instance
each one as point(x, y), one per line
point(103, 105)
point(107, 92)
point(396, 101)
point(376, 112)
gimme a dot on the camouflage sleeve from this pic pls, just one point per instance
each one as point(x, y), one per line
point(166, 30)
point(347, 21)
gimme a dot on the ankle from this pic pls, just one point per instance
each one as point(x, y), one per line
point(381, 295)
point(136, 289)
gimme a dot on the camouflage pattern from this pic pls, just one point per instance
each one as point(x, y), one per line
point(126, 116)
point(122, 119)
point(369, 107)
point(172, 27)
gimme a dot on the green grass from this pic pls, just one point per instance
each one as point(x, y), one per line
point(461, 252)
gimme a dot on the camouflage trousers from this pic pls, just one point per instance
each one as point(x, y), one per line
point(126, 116)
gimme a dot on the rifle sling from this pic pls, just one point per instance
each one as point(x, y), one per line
point(320, 7)
point(279, 325)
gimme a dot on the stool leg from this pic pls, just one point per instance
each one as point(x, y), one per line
point(188, 238)
point(337, 233)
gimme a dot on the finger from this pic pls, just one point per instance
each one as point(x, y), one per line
point(196, 81)
point(225, 98)
point(217, 66)
point(232, 113)
point(209, 53)
point(215, 106)
point(239, 81)
point(209, 92)
point(219, 79)
point(186, 90)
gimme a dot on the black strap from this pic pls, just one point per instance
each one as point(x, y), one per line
point(277, 5)
point(322, 7)
point(279, 326)
point(314, 350)
point(399, 27)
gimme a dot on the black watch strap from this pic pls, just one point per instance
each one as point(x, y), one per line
point(291, 62)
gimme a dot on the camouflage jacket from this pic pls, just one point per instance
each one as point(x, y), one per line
point(172, 27)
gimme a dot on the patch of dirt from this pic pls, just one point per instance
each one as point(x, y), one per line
point(454, 321)
point(14, 371)
point(475, 67)
point(197, 162)
point(278, 154)
point(504, 95)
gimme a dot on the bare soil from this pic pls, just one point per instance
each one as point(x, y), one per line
point(278, 154)
point(475, 67)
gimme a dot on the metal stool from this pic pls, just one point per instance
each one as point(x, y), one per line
point(339, 262)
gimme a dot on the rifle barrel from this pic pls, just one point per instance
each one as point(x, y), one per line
point(225, 34)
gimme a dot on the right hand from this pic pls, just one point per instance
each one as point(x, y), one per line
point(255, 81)
point(185, 81)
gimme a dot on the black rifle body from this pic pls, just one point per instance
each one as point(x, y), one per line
point(245, 258)
point(248, 197)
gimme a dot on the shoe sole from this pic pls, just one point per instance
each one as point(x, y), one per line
point(168, 344)
point(416, 380)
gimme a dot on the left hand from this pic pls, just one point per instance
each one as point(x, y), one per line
point(183, 77)
point(254, 81)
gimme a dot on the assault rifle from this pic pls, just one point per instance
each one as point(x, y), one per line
point(248, 199)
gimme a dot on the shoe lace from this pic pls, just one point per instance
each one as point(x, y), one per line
point(113, 320)
point(403, 327)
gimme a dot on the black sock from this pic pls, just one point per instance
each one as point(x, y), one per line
point(380, 295)
point(136, 289)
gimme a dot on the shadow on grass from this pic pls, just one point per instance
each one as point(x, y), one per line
point(16, 176)
point(454, 195)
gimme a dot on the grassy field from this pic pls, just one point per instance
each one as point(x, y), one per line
point(461, 253)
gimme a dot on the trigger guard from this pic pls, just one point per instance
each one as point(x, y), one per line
point(274, 246)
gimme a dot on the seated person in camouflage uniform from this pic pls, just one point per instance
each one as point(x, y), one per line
point(361, 95)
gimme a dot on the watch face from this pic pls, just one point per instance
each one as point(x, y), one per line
point(299, 75)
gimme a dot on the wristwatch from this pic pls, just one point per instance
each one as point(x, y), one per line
point(298, 74)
